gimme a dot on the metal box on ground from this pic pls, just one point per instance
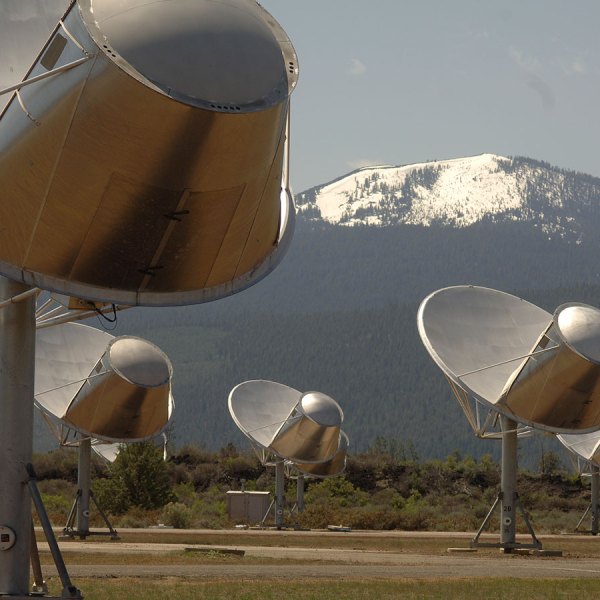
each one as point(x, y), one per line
point(247, 507)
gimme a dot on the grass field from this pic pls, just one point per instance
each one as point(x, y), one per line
point(493, 588)
point(264, 581)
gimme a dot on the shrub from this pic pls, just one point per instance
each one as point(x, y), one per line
point(177, 515)
point(361, 474)
point(204, 475)
point(241, 467)
point(111, 495)
point(57, 508)
point(58, 464)
point(209, 509)
point(336, 490)
point(191, 456)
point(142, 474)
point(185, 493)
point(136, 517)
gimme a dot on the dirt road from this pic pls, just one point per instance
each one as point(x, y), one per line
point(292, 562)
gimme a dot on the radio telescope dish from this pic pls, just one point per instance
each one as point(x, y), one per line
point(106, 450)
point(293, 426)
point(584, 445)
point(144, 158)
point(301, 431)
point(538, 369)
point(526, 365)
point(115, 389)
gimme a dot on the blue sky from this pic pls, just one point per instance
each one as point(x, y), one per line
point(398, 82)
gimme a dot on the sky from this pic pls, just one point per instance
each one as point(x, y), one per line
point(398, 82)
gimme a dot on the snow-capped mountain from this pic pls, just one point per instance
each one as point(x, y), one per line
point(459, 193)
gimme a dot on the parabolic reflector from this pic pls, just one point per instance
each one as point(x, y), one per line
point(294, 426)
point(535, 368)
point(107, 450)
point(115, 389)
point(585, 445)
point(148, 165)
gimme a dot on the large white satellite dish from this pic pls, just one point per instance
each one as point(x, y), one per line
point(291, 425)
point(114, 389)
point(538, 369)
point(108, 390)
point(291, 430)
point(169, 119)
point(524, 364)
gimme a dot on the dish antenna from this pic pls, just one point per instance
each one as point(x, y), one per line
point(143, 161)
point(521, 363)
point(287, 427)
point(205, 209)
point(586, 447)
point(94, 387)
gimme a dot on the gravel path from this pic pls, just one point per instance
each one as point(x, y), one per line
point(328, 563)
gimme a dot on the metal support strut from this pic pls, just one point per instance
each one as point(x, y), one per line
point(278, 503)
point(17, 365)
point(508, 499)
point(593, 507)
point(300, 493)
point(80, 511)
point(19, 488)
point(69, 590)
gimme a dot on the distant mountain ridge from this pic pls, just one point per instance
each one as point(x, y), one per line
point(460, 193)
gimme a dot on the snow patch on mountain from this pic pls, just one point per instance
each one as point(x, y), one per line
point(456, 193)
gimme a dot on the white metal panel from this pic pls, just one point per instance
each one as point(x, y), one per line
point(259, 408)
point(479, 336)
point(65, 357)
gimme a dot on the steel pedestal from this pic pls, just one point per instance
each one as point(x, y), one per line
point(78, 521)
point(508, 499)
point(593, 508)
point(19, 488)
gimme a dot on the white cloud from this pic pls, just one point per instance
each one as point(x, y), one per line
point(578, 66)
point(357, 67)
point(528, 63)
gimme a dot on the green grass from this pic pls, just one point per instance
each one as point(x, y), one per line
point(491, 589)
